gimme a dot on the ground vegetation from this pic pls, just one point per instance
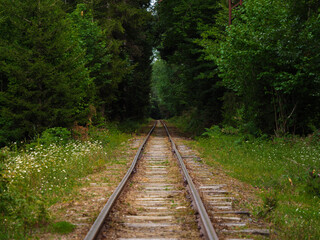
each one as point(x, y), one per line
point(285, 171)
point(48, 171)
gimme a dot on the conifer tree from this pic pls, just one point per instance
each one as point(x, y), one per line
point(126, 27)
point(135, 89)
point(93, 40)
point(42, 69)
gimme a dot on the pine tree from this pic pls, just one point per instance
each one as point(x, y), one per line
point(126, 26)
point(135, 90)
point(42, 69)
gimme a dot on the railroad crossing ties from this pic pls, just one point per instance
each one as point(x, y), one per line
point(157, 202)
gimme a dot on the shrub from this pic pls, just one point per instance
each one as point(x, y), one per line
point(55, 135)
point(212, 132)
point(315, 137)
point(313, 182)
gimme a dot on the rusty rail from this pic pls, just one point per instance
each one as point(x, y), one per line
point(206, 225)
point(98, 224)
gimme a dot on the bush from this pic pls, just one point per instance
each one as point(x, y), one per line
point(131, 125)
point(55, 135)
point(212, 132)
point(98, 134)
point(315, 137)
point(313, 182)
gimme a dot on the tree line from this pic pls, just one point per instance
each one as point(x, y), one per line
point(260, 75)
point(77, 61)
point(72, 62)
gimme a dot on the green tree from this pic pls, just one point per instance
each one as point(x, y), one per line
point(126, 31)
point(264, 57)
point(261, 59)
point(42, 68)
point(93, 40)
point(168, 89)
point(180, 25)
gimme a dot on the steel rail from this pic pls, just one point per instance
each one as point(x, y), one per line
point(208, 229)
point(98, 224)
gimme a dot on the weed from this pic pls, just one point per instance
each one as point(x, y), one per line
point(62, 227)
point(214, 131)
point(166, 162)
point(174, 205)
point(270, 202)
point(313, 182)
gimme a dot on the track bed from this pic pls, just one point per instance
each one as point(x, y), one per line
point(166, 199)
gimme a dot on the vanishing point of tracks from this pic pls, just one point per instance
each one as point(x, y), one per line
point(159, 200)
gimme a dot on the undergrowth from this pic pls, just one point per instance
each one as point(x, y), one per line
point(286, 170)
point(62, 227)
point(39, 174)
point(189, 123)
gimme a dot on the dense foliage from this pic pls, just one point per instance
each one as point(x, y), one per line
point(65, 64)
point(79, 62)
point(270, 58)
point(261, 74)
point(74, 62)
point(192, 80)
point(71, 62)
point(43, 74)
point(126, 26)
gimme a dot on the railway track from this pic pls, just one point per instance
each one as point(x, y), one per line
point(152, 202)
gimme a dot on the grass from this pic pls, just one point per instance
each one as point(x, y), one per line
point(39, 175)
point(286, 170)
point(62, 227)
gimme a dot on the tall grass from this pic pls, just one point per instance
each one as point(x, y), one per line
point(35, 177)
point(287, 170)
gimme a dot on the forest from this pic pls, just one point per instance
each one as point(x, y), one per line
point(260, 74)
point(72, 62)
point(67, 65)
